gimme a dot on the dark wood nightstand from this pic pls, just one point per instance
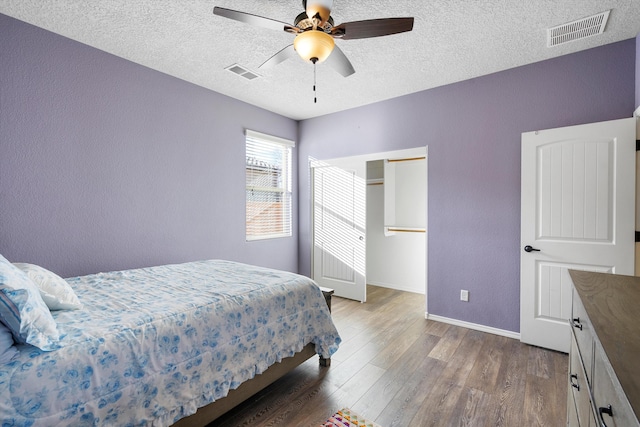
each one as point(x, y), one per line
point(327, 292)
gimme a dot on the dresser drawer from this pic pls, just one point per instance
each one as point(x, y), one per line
point(607, 392)
point(572, 415)
point(583, 331)
point(578, 385)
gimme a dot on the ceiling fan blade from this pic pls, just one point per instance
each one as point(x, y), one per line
point(372, 28)
point(279, 57)
point(339, 62)
point(256, 20)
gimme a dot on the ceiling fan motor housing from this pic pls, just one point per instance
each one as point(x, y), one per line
point(304, 23)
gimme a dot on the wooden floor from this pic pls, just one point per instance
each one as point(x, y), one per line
point(398, 369)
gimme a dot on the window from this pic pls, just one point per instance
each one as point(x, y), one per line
point(268, 173)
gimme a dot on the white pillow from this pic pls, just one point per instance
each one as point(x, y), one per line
point(23, 311)
point(54, 290)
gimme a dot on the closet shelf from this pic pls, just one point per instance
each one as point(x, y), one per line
point(405, 230)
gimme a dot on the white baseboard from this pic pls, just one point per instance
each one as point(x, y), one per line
point(475, 326)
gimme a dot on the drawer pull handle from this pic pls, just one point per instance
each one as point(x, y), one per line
point(576, 323)
point(602, 410)
point(574, 385)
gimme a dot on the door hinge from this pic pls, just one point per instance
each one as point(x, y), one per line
point(637, 144)
point(637, 236)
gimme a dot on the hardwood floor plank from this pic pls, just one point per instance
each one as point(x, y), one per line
point(437, 408)
point(395, 348)
point(385, 389)
point(346, 369)
point(463, 360)
point(540, 398)
point(540, 362)
point(471, 409)
point(450, 341)
point(437, 328)
point(439, 404)
point(347, 332)
point(560, 374)
point(406, 403)
point(349, 347)
point(362, 381)
point(510, 385)
point(484, 374)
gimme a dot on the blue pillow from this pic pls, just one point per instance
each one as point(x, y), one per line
point(7, 350)
point(23, 311)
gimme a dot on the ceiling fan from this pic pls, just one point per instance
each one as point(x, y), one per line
point(315, 33)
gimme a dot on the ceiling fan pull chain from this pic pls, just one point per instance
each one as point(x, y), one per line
point(315, 98)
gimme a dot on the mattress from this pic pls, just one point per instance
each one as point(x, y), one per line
point(152, 345)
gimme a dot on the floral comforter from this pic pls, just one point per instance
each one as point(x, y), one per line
point(152, 345)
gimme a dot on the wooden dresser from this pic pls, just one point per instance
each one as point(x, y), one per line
point(604, 360)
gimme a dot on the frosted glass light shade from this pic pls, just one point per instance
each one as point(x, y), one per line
point(313, 44)
point(319, 7)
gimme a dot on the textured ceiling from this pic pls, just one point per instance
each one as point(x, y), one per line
point(452, 40)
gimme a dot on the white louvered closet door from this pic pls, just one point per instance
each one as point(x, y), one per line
point(339, 229)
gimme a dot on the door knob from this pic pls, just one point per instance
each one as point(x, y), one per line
point(530, 249)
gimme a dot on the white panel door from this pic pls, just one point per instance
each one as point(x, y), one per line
point(578, 212)
point(339, 227)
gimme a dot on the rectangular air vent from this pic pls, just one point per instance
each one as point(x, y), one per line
point(241, 71)
point(576, 30)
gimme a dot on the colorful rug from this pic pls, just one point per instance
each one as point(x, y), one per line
point(347, 418)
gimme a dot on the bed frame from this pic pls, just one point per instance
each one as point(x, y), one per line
point(209, 413)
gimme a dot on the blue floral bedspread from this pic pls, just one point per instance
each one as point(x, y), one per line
point(152, 345)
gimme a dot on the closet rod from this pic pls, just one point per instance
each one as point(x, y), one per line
point(406, 160)
point(402, 230)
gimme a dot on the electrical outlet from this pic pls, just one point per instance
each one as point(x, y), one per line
point(464, 295)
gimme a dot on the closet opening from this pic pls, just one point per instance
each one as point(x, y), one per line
point(378, 234)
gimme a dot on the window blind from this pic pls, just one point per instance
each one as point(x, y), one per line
point(268, 186)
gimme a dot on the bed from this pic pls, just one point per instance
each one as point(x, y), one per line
point(152, 346)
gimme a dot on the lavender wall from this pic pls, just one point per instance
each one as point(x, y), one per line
point(105, 164)
point(473, 133)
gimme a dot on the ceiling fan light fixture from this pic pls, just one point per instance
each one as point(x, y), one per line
point(314, 44)
point(321, 8)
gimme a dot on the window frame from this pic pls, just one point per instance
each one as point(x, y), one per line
point(255, 140)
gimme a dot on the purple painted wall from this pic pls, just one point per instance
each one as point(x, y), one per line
point(105, 164)
point(473, 133)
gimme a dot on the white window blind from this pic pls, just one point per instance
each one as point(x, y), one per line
point(268, 193)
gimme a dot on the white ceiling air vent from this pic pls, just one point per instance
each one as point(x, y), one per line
point(241, 71)
point(577, 30)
